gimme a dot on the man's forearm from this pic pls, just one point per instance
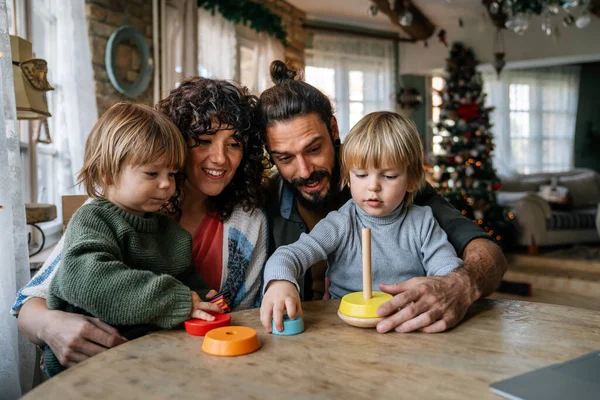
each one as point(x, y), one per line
point(484, 266)
point(32, 319)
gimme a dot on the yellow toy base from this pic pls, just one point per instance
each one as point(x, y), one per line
point(360, 322)
point(355, 305)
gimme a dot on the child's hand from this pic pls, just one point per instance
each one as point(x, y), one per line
point(200, 307)
point(279, 295)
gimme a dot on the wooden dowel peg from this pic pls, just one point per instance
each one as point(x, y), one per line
point(366, 262)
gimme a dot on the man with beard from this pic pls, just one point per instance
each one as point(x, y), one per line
point(303, 141)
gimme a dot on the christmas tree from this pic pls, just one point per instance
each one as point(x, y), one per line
point(463, 172)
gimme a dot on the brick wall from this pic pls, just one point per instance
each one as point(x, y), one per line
point(293, 20)
point(104, 17)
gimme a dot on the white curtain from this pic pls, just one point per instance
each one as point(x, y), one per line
point(179, 22)
point(16, 362)
point(216, 46)
point(75, 110)
point(534, 118)
point(356, 73)
point(268, 49)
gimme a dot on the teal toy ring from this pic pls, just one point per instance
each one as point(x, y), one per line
point(290, 326)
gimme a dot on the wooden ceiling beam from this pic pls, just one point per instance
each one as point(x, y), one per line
point(421, 27)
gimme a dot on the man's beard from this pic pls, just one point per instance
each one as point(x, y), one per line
point(317, 201)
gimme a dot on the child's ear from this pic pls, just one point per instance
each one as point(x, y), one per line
point(107, 181)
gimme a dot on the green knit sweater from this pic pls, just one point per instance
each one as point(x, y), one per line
point(132, 272)
point(125, 269)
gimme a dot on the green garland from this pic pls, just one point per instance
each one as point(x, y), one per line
point(257, 16)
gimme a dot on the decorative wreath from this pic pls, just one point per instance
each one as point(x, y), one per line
point(127, 33)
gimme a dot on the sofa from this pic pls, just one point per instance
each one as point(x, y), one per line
point(545, 223)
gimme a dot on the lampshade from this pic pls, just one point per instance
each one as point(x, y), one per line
point(31, 84)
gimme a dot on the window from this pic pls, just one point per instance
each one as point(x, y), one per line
point(44, 42)
point(437, 85)
point(534, 119)
point(38, 159)
point(356, 75)
point(49, 168)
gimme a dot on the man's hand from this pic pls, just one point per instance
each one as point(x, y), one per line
point(430, 304)
point(280, 295)
point(74, 338)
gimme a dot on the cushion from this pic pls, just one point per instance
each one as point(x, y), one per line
point(584, 190)
point(507, 199)
point(576, 219)
point(524, 183)
point(556, 196)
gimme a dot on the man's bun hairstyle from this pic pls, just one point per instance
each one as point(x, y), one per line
point(291, 97)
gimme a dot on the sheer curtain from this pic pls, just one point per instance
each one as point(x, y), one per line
point(534, 118)
point(357, 74)
point(59, 34)
point(16, 363)
point(75, 110)
point(179, 22)
point(268, 49)
point(216, 46)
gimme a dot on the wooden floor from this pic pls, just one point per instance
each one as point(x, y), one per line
point(568, 282)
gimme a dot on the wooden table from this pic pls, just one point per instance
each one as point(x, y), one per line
point(498, 339)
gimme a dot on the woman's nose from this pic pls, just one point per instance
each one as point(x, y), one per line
point(217, 153)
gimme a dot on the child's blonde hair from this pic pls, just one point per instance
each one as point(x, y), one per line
point(133, 134)
point(384, 139)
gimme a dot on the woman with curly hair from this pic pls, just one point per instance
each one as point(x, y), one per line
point(218, 202)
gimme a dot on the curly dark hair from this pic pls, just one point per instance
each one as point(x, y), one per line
point(193, 107)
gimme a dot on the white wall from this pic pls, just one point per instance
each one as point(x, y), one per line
point(534, 48)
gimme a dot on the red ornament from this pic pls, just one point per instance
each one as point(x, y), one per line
point(468, 134)
point(497, 186)
point(468, 111)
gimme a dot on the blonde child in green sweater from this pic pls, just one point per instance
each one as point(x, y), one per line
point(122, 262)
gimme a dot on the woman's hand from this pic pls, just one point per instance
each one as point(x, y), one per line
point(279, 295)
point(74, 337)
point(200, 308)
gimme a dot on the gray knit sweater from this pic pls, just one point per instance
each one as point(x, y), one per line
point(404, 244)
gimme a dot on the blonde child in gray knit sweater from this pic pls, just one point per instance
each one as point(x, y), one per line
point(382, 163)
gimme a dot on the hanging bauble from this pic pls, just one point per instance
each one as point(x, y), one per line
point(406, 19)
point(570, 4)
point(458, 159)
point(553, 8)
point(373, 10)
point(478, 214)
point(494, 8)
point(568, 21)
point(474, 153)
point(499, 62)
point(583, 20)
point(497, 186)
point(469, 170)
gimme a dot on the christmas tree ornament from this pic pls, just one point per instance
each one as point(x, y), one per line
point(442, 37)
point(373, 10)
point(583, 20)
point(499, 53)
point(568, 21)
point(406, 19)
